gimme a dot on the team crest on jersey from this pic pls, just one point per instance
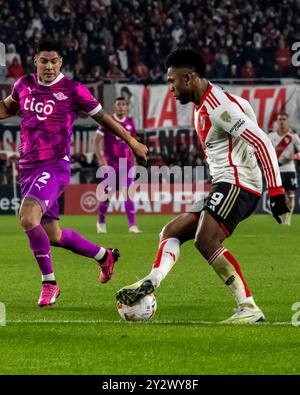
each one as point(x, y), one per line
point(225, 116)
point(60, 96)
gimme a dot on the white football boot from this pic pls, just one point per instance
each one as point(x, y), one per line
point(286, 219)
point(246, 313)
point(134, 229)
point(101, 228)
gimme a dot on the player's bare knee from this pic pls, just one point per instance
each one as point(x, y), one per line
point(28, 222)
point(166, 232)
point(54, 240)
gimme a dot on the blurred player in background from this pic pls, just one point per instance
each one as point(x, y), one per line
point(48, 103)
point(287, 146)
point(227, 127)
point(109, 149)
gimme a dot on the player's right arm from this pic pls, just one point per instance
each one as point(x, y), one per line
point(8, 108)
point(99, 151)
point(87, 102)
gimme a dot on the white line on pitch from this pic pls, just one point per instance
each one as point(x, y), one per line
point(159, 322)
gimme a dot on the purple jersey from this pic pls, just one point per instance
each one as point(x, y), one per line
point(114, 147)
point(48, 112)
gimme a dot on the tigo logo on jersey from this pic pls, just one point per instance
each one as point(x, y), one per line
point(42, 109)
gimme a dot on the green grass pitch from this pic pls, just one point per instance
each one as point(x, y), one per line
point(83, 334)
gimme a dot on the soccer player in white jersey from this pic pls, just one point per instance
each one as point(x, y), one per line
point(227, 127)
point(287, 146)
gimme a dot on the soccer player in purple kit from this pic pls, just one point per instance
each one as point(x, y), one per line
point(48, 103)
point(109, 149)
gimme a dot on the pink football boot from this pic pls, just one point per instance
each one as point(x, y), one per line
point(107, 267)
point(49, 294)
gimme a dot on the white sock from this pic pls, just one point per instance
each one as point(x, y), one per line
point(167, 255)
point(48, 277)
point(100, 254)
point(228, 269)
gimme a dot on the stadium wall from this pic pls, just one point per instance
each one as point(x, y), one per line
point(155, 107)
point(82, 200)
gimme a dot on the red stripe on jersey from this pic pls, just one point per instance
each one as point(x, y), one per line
point(250, 190)
point(156, 263)
point(275, 191)
point(283, 143)
point(235, 264)
point(233, 99)
point(259, 154)
point(210, 102)
point(209, 88)
point(269, 159)
point(215, 99)
point(210, 98)
point(264, 156)
point(236, 176)
point(204, 124)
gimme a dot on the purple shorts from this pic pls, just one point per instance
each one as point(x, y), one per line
point(45, 184)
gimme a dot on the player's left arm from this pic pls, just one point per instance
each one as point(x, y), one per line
point(139, 150)
point(239, 125)
point(134, 134)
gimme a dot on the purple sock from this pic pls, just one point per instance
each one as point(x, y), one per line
point(73, 241)
point(130, 211)
point(103, 207)
point(40, 246)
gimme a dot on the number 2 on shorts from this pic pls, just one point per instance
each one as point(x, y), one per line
point(44, 178)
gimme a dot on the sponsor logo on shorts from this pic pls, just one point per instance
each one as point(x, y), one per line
point(237, 125)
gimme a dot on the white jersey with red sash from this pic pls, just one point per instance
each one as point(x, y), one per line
point(286, 146)
point(227, 127)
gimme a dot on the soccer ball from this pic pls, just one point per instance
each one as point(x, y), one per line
point(143, 310)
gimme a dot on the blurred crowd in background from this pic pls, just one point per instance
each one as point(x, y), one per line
point(84, 166)
point(115, 40)
point(129, 39)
